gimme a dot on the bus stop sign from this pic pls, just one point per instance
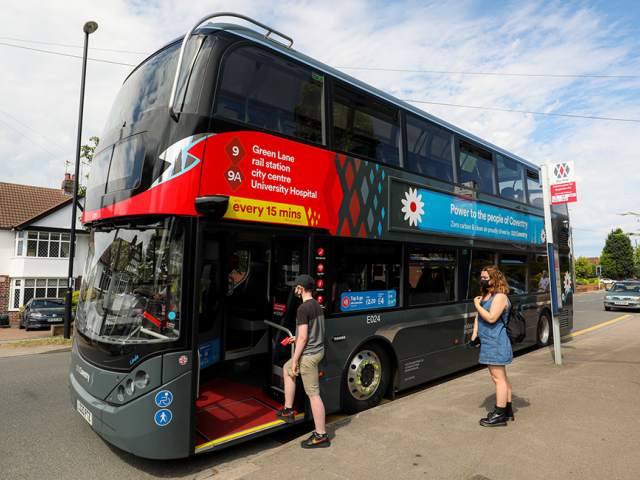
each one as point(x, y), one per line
point(562, 183)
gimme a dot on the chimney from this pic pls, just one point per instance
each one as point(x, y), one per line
point(67, 184)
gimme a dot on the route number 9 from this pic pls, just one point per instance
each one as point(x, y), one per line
point(236, 151)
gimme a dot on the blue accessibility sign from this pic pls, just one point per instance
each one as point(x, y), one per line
point(163, 417)
point(164, 398)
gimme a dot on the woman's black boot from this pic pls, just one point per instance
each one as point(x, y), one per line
point(508, 412)
point(496, 418)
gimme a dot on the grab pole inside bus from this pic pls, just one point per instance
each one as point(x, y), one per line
point(554, 266)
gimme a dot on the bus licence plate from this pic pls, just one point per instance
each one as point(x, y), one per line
point(84, 411)
point(621, 303)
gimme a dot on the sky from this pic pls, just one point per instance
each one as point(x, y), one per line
point(567, 59)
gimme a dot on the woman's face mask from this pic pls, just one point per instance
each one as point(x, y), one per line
point(484, 283)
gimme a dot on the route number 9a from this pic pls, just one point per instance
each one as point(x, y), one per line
point(234, 176)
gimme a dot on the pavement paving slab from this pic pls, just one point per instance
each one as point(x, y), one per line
point(576, 420)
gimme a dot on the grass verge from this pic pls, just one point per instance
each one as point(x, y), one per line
point(41, 342)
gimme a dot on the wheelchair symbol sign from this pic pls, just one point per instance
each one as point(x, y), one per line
point(164, 398)
point(163, 417)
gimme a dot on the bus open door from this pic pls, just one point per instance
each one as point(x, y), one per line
point(246, 281)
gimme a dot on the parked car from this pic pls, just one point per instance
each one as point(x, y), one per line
point(607, 281)
point(42, 312)
point(622, 295)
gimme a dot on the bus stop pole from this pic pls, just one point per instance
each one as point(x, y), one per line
point(555, 318)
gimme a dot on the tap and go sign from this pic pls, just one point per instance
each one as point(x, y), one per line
point(562, 183)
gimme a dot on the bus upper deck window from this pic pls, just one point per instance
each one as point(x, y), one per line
point(430, 149)
point(365, 128)
point(476, 166)
point(270, 92)
point(510, 179)
point(534, 188)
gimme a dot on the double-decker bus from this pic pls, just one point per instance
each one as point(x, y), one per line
point(231, 163)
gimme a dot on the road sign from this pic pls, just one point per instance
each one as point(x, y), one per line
point(562, 182)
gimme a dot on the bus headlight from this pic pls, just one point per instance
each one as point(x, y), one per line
point(142, 379)
point(130, 387)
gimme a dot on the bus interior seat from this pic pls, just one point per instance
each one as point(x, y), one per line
point(537, 202)
point(246, 330)
point(340, 288)
point(209, 298)
point(444, 173)
point(519, 195)
point(250, 302)
point(415, 163)
point(275, 121)
point(508, 192)
point(228, 111)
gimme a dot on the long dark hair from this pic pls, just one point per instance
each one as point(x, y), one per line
point(499, 283)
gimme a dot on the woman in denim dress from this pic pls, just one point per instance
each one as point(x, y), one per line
point(495, 347)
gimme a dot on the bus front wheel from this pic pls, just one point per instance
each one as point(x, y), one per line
point(544, 330)
point(366, 378)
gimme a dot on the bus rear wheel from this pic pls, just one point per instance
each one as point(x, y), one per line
point(544, 330)
point(366, 378)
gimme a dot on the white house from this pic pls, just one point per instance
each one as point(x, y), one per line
point(35, 232)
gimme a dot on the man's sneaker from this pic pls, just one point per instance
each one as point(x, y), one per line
point(286, 415)
point(316, 441)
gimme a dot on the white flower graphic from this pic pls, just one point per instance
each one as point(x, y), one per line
point(567, 282)
point(413, 207)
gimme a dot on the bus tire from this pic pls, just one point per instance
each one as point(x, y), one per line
point(544, 332)
point(366, 378)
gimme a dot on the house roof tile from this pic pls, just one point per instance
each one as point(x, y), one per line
point(19, 203)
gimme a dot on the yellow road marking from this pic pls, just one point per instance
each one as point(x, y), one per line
point(571, 335)
point(246, 432)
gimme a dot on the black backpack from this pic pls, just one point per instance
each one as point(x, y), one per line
point(516, 326)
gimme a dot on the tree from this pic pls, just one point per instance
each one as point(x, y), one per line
point(617, 256)
point(631, 213)
point(583, 268)
point(636, 262)
point(86, 151)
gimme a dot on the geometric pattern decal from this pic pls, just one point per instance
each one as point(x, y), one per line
point(359, 213)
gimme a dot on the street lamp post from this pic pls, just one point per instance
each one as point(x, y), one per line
point(88, 29)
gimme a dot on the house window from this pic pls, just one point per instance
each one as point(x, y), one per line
point(24, 289)
point(19, 244)
point(42, 244)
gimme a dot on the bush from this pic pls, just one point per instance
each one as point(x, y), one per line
point(581, 281)
point(74, 300)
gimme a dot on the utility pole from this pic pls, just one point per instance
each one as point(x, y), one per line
point(554, 267)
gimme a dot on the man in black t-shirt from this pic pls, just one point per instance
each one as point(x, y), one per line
point(309, 340)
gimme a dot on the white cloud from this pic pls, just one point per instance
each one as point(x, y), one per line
point(41, 90)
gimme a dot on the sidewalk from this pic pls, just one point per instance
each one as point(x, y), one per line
point(576, 420)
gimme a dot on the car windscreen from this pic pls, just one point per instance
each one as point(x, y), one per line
point(626, 287)
point(131, 291)
point(47, 304)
